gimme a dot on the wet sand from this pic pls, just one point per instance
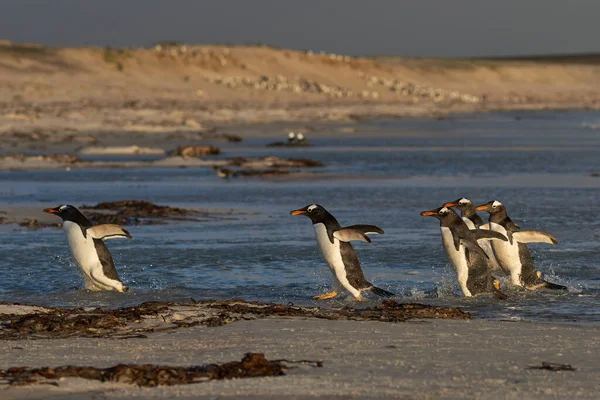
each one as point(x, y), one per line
point(427, 359)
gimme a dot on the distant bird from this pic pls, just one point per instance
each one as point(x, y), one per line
point(225, 173)
point(473, 221)
point(291, 138)
point(89, 250)
point(514, 256)
point(468, 259)
point(339, 253)
point(300, 137)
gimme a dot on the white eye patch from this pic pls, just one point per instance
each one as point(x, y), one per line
point(443, 210)
point(464, 201)
point(61, 208)
point(311, 208)
point(496, 203)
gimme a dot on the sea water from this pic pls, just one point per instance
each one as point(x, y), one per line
point(540, 165)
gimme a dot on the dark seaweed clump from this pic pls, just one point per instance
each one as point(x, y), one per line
point(132, 212)
point(63, 323)
point(252, 365)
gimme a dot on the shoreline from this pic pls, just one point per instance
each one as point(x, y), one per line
point(424, 359)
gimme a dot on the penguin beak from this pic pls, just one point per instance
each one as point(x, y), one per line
point(298, 212)
point(51, 210)
point(451, 204)
point(428, 213)
point(482, 207)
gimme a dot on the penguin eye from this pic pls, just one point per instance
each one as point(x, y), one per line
point(61, 208)
point(311, 208)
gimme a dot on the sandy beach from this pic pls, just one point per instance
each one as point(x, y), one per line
point(418, 359)
point(182, 89)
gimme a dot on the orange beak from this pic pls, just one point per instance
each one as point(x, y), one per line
point(428, 213)
point(482, 207)
point(451, 204)
point(298, 212)
point(51, 211)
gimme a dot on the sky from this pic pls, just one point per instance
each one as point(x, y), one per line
point(412, 28)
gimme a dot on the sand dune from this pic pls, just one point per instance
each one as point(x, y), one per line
point(185, 88)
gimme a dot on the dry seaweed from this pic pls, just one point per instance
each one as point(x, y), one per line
point(252, 365)
point(154, 316)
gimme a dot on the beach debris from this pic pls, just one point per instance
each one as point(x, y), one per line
point(252, 365)
point(121, 150)
point(274, 162)
point(45, 158)
point(225, 173)
point(155, 316)
point(132, 212)
point(195, 151)
point(553, 367)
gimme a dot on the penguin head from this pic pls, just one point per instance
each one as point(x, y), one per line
point(493, 207)
point(444, 214)
point(315, 212)
point(462, 203)
point(300, 137)
point(66, 212)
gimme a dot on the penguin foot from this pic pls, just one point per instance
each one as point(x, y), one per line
point(124, 289)
point(496, 284)
point(326, 296)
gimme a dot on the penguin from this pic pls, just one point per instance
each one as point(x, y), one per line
point(467, 257)
point(89, 250)
point(339, 254)
point(514, 256)
point(474, 221)
point(291, 137)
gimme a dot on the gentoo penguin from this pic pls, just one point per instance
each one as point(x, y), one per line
point(89, 250)
point(343, 262)
point(466, 256)
point(474, 221)
point(291, 138)
point(514, 256)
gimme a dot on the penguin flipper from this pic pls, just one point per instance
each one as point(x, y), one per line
point(356, 232)
point(483, 234)
point(534, 237)
point(108, 231)
point(473, 246)
point(366, 229)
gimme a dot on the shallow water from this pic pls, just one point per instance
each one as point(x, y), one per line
point(386, 173)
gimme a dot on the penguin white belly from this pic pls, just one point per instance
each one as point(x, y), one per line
point(507, 255)
point(458, 260)
point(86, 256)
point(333, 256)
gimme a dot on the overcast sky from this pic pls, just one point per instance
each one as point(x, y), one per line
point(367, 27)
